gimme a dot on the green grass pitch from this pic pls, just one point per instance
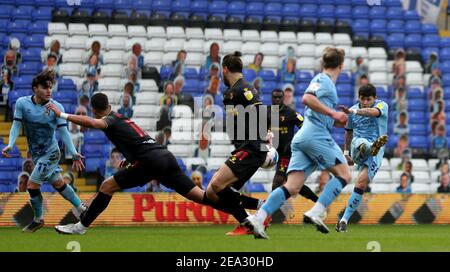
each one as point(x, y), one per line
point(212, 238)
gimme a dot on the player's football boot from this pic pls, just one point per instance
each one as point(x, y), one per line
point(378, 144)
point(316, 220)
point(341, 226)
point(258, 227)
point(244, 230)
point(33, 226)
point(71, 229)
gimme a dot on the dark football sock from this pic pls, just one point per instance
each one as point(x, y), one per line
point(228, 198)
point(97, 206)
point(306, 192)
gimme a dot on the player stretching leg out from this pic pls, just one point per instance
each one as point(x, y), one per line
point(40, 126)
point(366, 131)
point(145, 161)
point(313, 147)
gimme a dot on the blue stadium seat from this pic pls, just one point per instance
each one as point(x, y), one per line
point(344, 89)
point(359, 2)
point(413, 41)
point(7, 177)
point(378, 25)
point(7, 188)
point(291, 10)
point(39, 27)
point(143, 5)
point(413, 27)
point(31, 55)
point(95, 137)
point(417, 117)
point(267, 75)
point(396, 26)
point(165, 72)
point(383, 93)
point(446, 80)
point(360, 25)
point(418, 141)
point(445, 42)
point(392, 3)
point(139, 189)
point(122, 4)
point(17, 27)
point(339, 138)
point(5, 11)
point(308, 11)
point(396, 40)
point(303, 77)
point(360, 12)
point(430, 40)
point(347, 101)
point(191, 85)
point(8, 164)
point(343, 12)
point(66, 97)
point(395, 13)
point(66, 84)
point(444, 54)
point(427, 51)
point(377, 12)
point(249, 74)
point(43, 13)
point(415, 93)
point(255, 9)
point(95, 150)
point(273, 9)
point(268, 87)
point(30, 68)
point(429, 29)
point(199, 7)
point(411, 15)
point(22, 13)
point(181, 164)
point(36, 40)
point(218, 8)
point(47, 188)
point(237, 8)
point(326, 11)
point(190, 73)
point(418, 129)
point(417, 105)
point(255, 187)
point(300, 88)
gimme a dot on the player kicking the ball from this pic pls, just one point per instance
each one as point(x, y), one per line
point(366, 135)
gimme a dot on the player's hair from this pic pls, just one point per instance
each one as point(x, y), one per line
point(52, 55)
point(99, 101)
point(233, 62)
point(367, 91)
point(115, 150)
point(403, 175)
point(332, 57)
point(45, 78)
point(277, 91)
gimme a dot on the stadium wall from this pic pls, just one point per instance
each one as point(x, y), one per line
point(128, 209)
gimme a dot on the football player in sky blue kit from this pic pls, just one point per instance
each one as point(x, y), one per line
point(314, 148)
point(366, 136)
point(40, 125)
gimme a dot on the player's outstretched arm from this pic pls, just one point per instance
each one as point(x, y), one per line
point(77, 157)
point(368, 112)
point(13, 134)
point(84, 121)
point(314, 103)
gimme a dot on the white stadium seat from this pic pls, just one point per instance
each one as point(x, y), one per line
point(175, 32)
point(282, 48)
point(109, 84)
point(116, 30)
point(261, 176)
point(385, 166)
point(271, 62)
point(306, 37)
point(221, 150)
point(383, 177)
point(148, 85)
point(232, 35)
point(61, 38)
point(269, 36)
point(288, 37)
point(182, 137)
point(251, 48)
point(148, 98)
point(153, 58)
point(136, 31)
point(189, 162)
point(342, 39)
point(415, 79)
point(420, 165)
point(231, 46)
point(421, 177)
point(70, 69)
point(113, 97)
point(313, 177)
point(396, 175)
point(318, 50)
point(379, 78)
point(194, 45)
point(174, 45)
point(88, 42)
point(420, 188)
point(130, 42)
point(113, 57)
point(414, 66)
point(145, 123)
point(168, 58)
point(358, 52)
point(215, 163)
point(377, 53)
point(213, 34)
point(306, 63)
point(156, 44)
point(112, 70)
point(247, 59)
point(251, 35)
point(269, 49)
point(156, 32)
point(220, 138)
point(207, 45)
point(380, 188)
point(116, 43)
point(348, 189)
point(97, 30)
point(306, 50)
point(147, 111)
point(73, 55)
point(377, 65)
point(78, 29)
point(194, 33)
point(57, 28)
point(324, 38)
point(77, 42)
point(181, 111)
point(195, 59)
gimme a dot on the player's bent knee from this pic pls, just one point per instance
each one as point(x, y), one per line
point(58, 184)
point(109, 187)
point(32, 185)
